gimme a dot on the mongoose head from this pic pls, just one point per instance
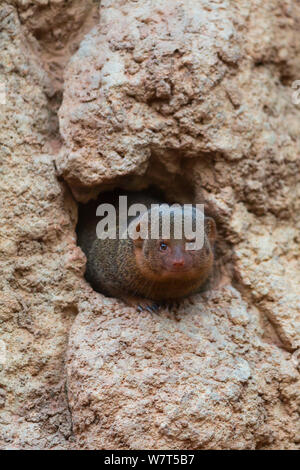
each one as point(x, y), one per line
point(166, 259)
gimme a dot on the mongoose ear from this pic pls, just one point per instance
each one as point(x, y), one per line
point(210, 229)
point(138, 242)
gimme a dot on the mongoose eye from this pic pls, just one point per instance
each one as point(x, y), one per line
point(163, 246)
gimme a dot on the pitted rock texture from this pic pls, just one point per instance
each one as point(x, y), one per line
point(143, 82)
point(191, 96)
point(195, 97)
point(183, 95)
point(198, 377)
point(40, 262)
point(181, 81)
point(54, 29)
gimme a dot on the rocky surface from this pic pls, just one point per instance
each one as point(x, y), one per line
point(196, 99)
point(197, 377)
point(40, 263)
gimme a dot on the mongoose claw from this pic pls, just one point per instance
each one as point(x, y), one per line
point(153, 308)
point(150, 309)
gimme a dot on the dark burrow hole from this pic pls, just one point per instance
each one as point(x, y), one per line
point(87, 211)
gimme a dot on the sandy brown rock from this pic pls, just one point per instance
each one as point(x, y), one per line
point(40, 263)
point(198, 377)
point(144, 81)
point(162, 95)
point(197, 99)
point(191, 97)
point(54, 30)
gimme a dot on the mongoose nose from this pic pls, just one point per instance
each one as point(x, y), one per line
point(177, 263)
